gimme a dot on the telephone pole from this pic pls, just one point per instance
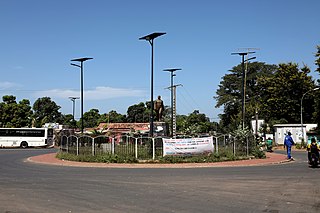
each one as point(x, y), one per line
point(243, 90)
point(174, 110)
point(173, 115)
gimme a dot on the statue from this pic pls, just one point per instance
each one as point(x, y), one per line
point(159, 108)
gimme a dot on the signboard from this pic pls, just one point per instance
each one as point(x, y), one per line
point(187, 146)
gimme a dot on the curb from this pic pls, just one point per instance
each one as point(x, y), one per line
point(51, 160)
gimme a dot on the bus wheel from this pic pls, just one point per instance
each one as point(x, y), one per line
point(24, 144)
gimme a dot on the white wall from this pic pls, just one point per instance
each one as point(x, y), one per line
point(281, 132)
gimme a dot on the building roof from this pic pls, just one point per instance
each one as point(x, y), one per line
point(289, 125)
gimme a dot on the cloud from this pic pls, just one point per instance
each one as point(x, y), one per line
point(99, 93)
point(8, 85)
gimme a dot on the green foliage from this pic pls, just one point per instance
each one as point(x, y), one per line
point(258, 153)
point(46, 111)
point(90, 119)
point(195, 123)
point(103, 158)
point(317, 61)
point(138, 113)
point(114, 117)
point(223, 155)
point(281, 93)
point(229, 93)
point(13, 114)
point(69, 121)
point(316, 113)
point(273, 91)
point(241, 134)
point(298, 146)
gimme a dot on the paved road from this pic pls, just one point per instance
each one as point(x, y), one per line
point(31, 188)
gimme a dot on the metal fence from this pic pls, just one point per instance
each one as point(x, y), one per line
point(233, 144)
point(142, 148)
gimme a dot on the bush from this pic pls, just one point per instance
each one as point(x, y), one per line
point(256, 152)
point(222, 155)
point(106, 158)
point(298, 146)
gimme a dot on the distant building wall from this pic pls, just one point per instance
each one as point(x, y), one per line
point(253, 124)
point(281, 131)
point(160, 128)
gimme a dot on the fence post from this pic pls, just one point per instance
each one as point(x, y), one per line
point(153, 149)
point(112, 146)
point(247, 146)
point(234, 147)
point(67, 145)
point(77, 146)
point(93, 147)
point(217, 148)
point(136, 147)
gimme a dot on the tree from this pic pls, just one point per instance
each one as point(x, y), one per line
point(229, 93)
point(90, 119)
point(280, 94)
point(46, 111)
point(137, 113)
point(195, 123)
point(114, 117)
point(317, 61)
point(316, 114)
point(13, 114)
point(69, 121)
point(23, 114)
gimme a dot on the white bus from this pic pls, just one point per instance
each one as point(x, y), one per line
point(26, 137)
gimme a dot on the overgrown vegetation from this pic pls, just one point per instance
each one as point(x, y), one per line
point(104, 158)
point(222, 155)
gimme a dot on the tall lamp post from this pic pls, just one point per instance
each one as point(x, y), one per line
point(150, 38)
point(242, 54)
point(81, 60)
point(301, 117)
point(171, 88)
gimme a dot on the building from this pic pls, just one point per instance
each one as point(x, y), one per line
point(281, 131)
point(160, 128)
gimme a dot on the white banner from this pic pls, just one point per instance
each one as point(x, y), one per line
point(187, 146)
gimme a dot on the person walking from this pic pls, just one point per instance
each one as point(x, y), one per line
point(288, 143)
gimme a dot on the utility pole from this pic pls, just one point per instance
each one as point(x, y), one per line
point(173, 116)
point(243, 90)
point(174, 110)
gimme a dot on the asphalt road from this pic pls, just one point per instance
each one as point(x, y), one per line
point(30, 188)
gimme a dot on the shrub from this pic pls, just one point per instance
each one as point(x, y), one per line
point(256, 152)
point(222, 155)
point(298, 146)
point(106, 158)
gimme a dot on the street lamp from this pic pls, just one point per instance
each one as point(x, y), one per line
point(242, 54)
point(171, 88)
point(73, 99)
point(81, 60)
point(302, 134)
point(150, 39)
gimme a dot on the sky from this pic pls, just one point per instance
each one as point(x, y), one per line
point(39, 38)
